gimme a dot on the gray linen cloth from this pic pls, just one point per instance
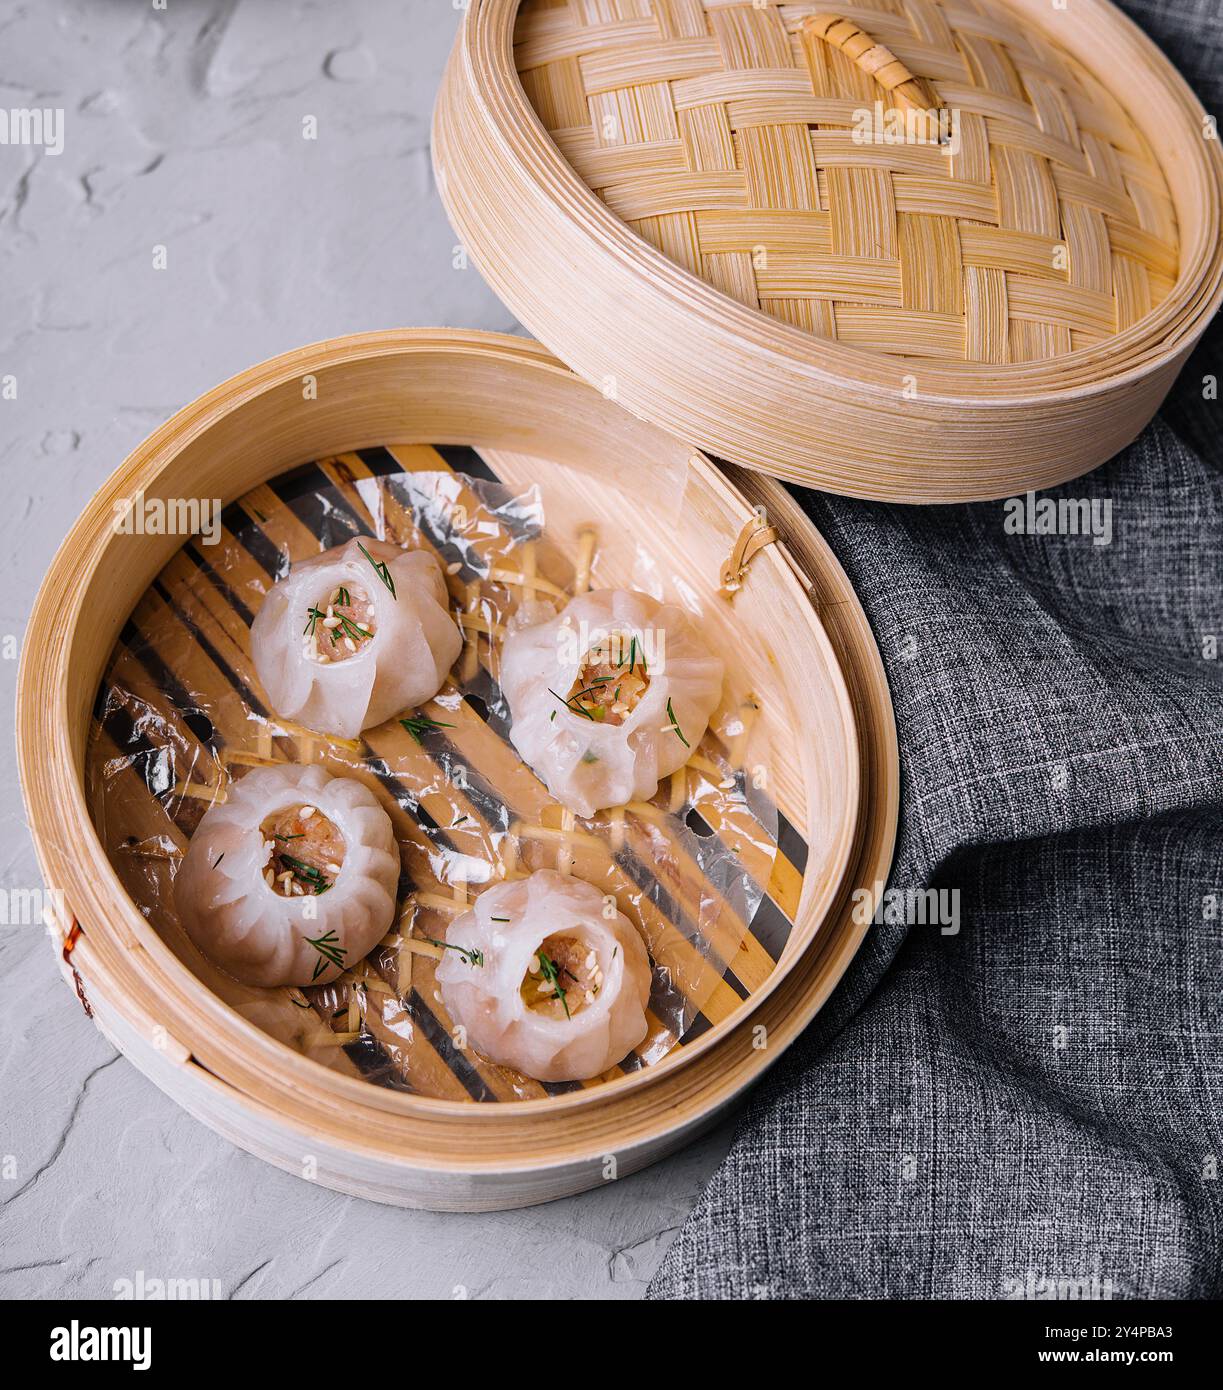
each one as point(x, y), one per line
point(1030, 1107)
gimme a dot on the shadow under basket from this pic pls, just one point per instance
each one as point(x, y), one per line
point(769, 595)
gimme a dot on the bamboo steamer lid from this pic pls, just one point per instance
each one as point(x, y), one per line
point(918, 250)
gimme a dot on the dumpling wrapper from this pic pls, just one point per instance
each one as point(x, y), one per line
point(403, 665)
point(228, 910)
point(590, 766)
point(486, 1000)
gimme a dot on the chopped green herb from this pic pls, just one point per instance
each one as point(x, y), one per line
point(576, 709)
point(300, 868)
point(592, 687)
point(472, 956)
point(350, 629)
point(346, 627)
point(330, 952)
point(381, 569)
point(307, 874)
point(675, 728)
point(547, 968)
point(420, 724)
point(278, 836)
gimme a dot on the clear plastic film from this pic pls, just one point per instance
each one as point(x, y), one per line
point(181, 714)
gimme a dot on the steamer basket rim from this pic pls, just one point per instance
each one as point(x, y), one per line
point(42, 684)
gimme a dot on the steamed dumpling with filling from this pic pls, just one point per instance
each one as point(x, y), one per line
point(354, 635)
point(547, 978)
point(291, 880)
point(610, 697)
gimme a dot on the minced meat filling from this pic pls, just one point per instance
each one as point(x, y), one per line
point(339, 627)
point(306, 852)
point(563, 977)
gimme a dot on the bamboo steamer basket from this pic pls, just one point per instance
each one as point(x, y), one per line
point(510, 397)
point(680, 199)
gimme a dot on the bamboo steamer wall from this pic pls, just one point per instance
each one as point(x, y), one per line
point(671, 195)
point(498, 393)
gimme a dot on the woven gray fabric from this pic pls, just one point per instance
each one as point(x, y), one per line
point(1030, 1107)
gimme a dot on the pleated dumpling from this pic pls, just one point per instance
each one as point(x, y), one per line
point(610, 697)
point(292, 879)
point(546, 979)
point(354, 636)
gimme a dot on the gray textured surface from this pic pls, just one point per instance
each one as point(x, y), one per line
point(184, 130)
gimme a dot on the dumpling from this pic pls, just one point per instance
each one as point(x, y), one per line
point(609, 698)
point(292, 879)
point(544, 980)
point(355, 635)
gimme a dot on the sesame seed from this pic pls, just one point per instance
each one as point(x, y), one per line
point(598, 977)
point(454, 568)
point(333, 868)
point(590, 999)
point(332, 623)
point(533, 968)
point(591, 961)
point(269, 877)
point(350, 644)
point(306, 812)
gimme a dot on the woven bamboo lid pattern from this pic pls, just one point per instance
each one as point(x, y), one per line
point(916, 250)
point(785, 158)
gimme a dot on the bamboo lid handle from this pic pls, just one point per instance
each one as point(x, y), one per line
point(875, 59)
